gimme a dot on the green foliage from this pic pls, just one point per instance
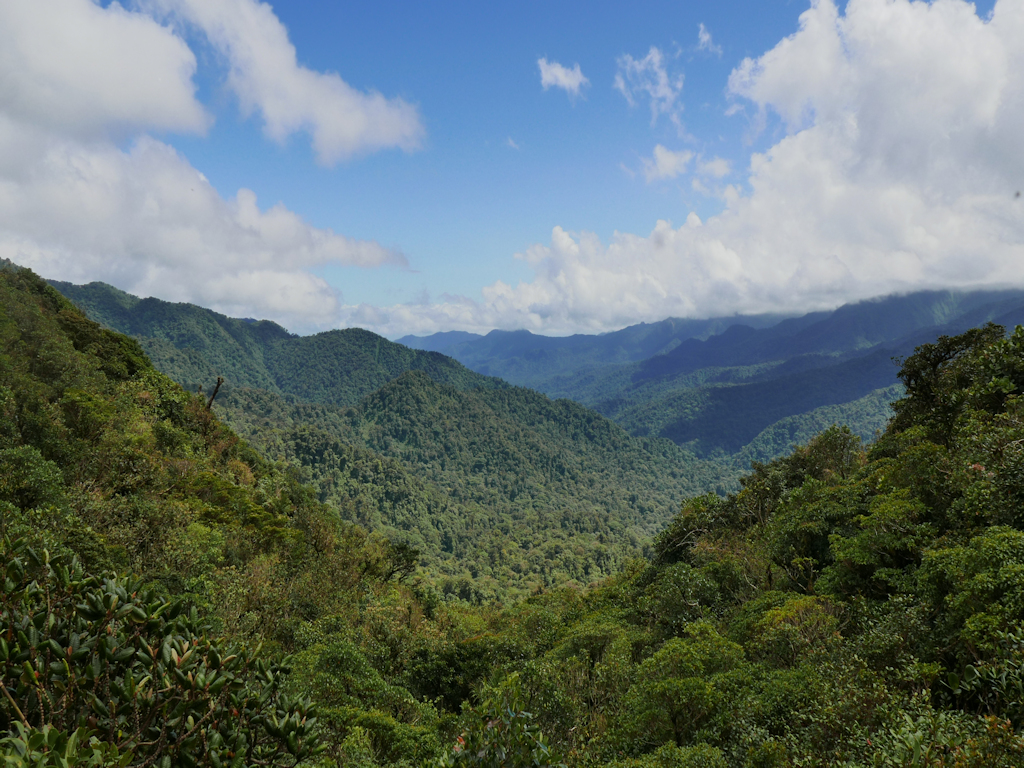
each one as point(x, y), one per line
point(841, 606)
point(355, 698)
point(501, 734)
point(672, 756)
point(48, 747)
point(106, 458)
point(27, 480)
point(935, 377)
point(500, 490)
point(137, 670)
point(681, 693)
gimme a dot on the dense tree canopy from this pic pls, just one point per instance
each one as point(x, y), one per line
point(842, 606)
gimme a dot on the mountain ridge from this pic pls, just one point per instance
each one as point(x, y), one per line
point(502, 469)
point(714, 395)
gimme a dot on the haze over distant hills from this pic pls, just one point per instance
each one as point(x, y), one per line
point(522, 356)
point(748, 387)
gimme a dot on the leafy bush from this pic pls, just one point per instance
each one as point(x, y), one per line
point(137, 670)
point(501, 734)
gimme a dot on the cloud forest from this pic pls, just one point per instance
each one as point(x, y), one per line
point(415, 564)
point(590, 385)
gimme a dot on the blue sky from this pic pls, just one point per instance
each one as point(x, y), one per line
point(883, 135)
point(461, 206)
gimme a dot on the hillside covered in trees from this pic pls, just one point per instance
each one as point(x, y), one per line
point(107, 466)
point(499, 489)
point(845, 606)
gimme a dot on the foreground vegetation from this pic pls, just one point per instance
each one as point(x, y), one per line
point(172, 598)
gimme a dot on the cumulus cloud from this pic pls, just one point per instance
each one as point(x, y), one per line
point(649, 78)
point(148, 222)
point(82, 69)
point(897, 171)
point(666, 164)
point(267, 78)
point(76, 81)
point(553, 74)
point(705, 43)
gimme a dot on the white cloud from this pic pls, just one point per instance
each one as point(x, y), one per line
point(666, 164)
point(897, 171)
point(76, 81)
point(716, 167)
point(72, 66)
point(510, 142)
point(649, 76)
point(705, 43)
point(554, 74)
point(266, 77)
point(148, 222)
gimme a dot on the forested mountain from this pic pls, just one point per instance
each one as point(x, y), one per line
point(500, 491)
point(106, 464)
point(498, 488)
point(844, 607)
point(530, 360)
point(746, 388)
point(194, 346)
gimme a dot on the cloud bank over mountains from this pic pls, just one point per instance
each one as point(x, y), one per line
point(897, 169)
point(897, 156)
point(86, 193)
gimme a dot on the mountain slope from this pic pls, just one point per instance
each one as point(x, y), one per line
point(107, 457)
point(191, 344)
point(718, 392)
point(497, 486)
point(528, 359)
point(725, 417)
point(501, 490)
point(850, 328)
point(194, 346)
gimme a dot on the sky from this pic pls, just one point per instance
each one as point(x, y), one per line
point(563, 167)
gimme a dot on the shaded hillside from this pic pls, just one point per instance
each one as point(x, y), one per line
point(850, 328)
point(726, 416)
point(730, 417)
point(529, 360)
point(719, 393)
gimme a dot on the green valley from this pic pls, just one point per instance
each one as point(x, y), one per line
point(844, 605)
point(499, 489)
